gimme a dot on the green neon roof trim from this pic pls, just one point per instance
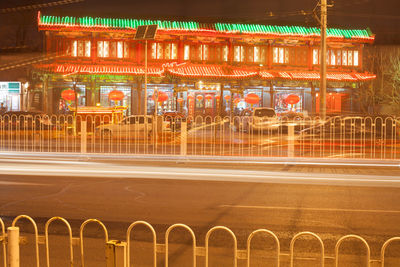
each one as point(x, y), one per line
point(113, 23)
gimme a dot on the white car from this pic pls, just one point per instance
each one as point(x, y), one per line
point(258, 120)
point(136, 126)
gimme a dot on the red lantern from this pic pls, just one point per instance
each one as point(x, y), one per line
point(217, 97)
point(199, 97)
point(162, 96)
point(227, 97)
point(252, 99)
point(68, 95)
point(179, 100)
point(208, 97)
point(292, 99)
point(116, 95)
point(190, 97)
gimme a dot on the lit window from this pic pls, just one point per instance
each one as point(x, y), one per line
point(74, 48)
point(339, 57)
point(170, 51)
point(204, 52)
point(238, 53)
point(350, 58)
point(256, 56)
point(333, 57)
point(81, 48)
point(275, 54)
point(103, 49)
point(120, 49)
point(174, 51)
point(87, 48)
point(355, 58)
point(225, 53)
point(186, 55)
point(315, 56)
point(280, 55)
point(344, 55)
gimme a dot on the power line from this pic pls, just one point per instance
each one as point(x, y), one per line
point(37, 6)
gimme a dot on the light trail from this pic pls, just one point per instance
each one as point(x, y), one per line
point(116, 170)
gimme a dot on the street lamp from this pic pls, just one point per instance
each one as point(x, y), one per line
point(145, 32)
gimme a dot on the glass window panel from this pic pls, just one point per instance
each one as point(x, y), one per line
point(159, 51)
point(174, 52)
point(350, 58)
point(262, 55)
point(355, 58)
point(226, 52)
point(186, 52)
point(315, 56)
point(112, 49)
point(74, 48)
point(339, 57)
point(154, 50)
point(106, 52)
point(126, 50)
point(80, 49)
point(237, 53)
point(275, 55)
point(281, 54)
point(87, 48)
point(120, 49)
point(286, 51)
point(333, 57)
point(167, 51)
point(344, 53)
point(257, 54)
point(100, 49)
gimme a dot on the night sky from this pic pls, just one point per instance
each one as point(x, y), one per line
point(381, 16)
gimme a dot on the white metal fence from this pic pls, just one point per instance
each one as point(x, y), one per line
point(304, 248)
point(344, 137)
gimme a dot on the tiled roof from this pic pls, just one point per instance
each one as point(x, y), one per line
point(203, 71)
point(89, 23)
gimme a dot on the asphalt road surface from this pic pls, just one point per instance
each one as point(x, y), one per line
point(330, 198)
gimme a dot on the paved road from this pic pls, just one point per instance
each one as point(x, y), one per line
point(329, 198)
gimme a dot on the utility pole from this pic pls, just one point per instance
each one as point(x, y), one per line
point(322, 98)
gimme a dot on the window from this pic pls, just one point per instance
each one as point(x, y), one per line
point(355, 58)
point(225, 53)
point(157, 51)
point(280, 55)
point(315, 56)
point(103, 48)
point(204, 52)
point(79, 48)
point(186, 54)
point(170, 51)
point(238, 53)
point(88, 48)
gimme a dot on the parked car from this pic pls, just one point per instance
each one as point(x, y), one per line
point(173, 120)
point(257, 120)
point(136, 126)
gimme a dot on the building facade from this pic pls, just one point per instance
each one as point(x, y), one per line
point(199, 69)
